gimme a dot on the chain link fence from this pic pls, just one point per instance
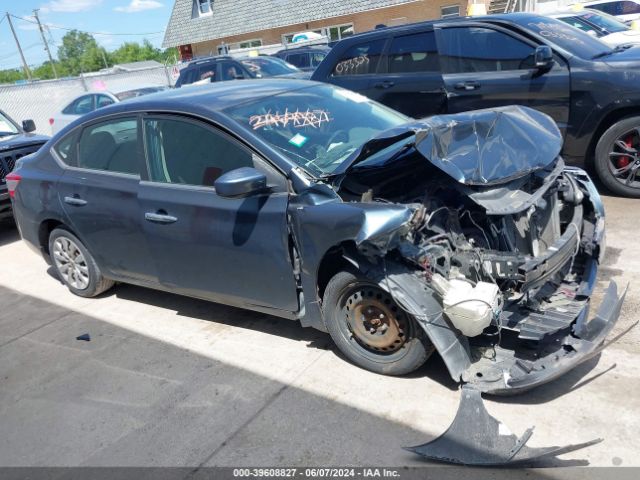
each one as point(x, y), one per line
point(40, 100)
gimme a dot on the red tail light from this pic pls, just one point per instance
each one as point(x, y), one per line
point(51, 121)
point(12, 183)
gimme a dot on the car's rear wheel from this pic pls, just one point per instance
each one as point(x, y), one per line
point(369, 327)
point(75, 266)
point(617, 157)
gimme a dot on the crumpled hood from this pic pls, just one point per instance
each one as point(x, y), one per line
point(479, 147)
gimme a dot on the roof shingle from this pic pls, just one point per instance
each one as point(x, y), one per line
point(235, 17)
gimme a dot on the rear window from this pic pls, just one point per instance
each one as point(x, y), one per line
point(617, 8)
point(360, 59)
point(300, 60)
point(413, 53)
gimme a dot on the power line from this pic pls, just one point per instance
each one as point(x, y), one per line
point(59, 27)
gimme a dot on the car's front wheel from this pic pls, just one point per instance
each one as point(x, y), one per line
point(617, 157)
point(369, 327)
point(75, 266)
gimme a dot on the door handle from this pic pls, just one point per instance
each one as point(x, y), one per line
point(160, 217)
point(384, 85)
point(467, 86)
point(76, 201)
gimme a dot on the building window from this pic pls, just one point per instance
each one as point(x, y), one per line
point(204, 7)
point(450, 11)
point(249, 44)
point(333, 33)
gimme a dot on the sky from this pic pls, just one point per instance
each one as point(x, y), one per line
point(116, 21)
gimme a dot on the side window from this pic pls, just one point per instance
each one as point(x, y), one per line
point(207, 71)
point(360, 59)
point(110, 146)
point(300, 60)
point(413, 53)
point(188, 153)
point(103, 101)
point(80, 106)
point(67, 149)
point(231, 71)
point(478, 49)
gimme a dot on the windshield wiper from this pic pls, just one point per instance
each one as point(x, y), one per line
point(618, 49)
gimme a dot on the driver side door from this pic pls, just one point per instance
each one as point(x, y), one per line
point(229, 250)
point(486, 66)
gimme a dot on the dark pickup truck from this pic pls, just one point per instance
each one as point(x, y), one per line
point(15, 142)
point(591, 90)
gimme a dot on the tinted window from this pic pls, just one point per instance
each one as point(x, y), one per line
point(206, 71)
point(413, 53)
point(67, 149)
point(268, 66)
point(103, 101)
point(110, 146)
point(576, 22)
point(360, 59)
point(300, 60)
point(231, 71)
point(316, 58)
point(80, 106)
point(477, 49)
point(189, 153)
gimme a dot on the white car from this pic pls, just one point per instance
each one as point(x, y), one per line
point(607, 28)
point(624, 10)
point(90, 101)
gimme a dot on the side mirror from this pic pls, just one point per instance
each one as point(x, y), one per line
point(28, 126)
point(241, 182)
point(543, 57)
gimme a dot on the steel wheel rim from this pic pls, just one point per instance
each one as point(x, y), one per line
point(624, 158)
point(374, 320)
point(71, 263)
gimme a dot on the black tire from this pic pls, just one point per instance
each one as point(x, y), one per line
point(411, 353)
point(96, 283)
point(602, 160)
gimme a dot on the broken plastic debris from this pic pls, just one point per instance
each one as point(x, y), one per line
point(85, 337)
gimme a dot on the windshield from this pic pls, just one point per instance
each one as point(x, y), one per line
point(7, 127)
point(568, 38)
point(268, 66)
point(604, 21)
point(577, 22)
point(316, 127)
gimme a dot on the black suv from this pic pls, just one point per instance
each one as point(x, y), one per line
point(223, 68)
point(453, 65)
point(15, 142)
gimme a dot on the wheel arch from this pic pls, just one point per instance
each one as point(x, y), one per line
point(610, 119)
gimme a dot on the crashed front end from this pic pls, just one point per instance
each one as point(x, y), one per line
point(498, 254)
point(496, 259)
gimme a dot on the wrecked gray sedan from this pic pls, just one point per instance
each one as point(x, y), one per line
point(464, 235)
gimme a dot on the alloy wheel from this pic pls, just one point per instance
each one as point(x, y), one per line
point(71, 263)
point(624, 158)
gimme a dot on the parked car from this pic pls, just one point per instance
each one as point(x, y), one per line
point(305, 58)
point(15, 142)
point(625, 10)
point(224, 68)
point(453, 65)
point(607, 28)
point(88, 102)
point(313, 203)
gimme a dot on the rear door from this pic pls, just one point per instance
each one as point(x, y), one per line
point(409, 80)
point(485, 66)
point(356, 68)
point(99, 195)
point(231, 250)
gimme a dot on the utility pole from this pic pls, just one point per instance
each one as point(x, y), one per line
point(24, 62)
point(46, 45)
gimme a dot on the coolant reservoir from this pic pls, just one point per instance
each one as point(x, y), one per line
point(470, 308)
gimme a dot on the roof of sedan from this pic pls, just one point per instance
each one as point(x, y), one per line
point(214, 96)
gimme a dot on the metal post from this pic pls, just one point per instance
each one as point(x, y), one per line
point(24, 62)
point(46, 45)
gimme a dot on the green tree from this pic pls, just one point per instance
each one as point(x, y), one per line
point(11, 75)
point(80, 53)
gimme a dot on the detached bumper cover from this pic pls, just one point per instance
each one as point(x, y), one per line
point(587, 340)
